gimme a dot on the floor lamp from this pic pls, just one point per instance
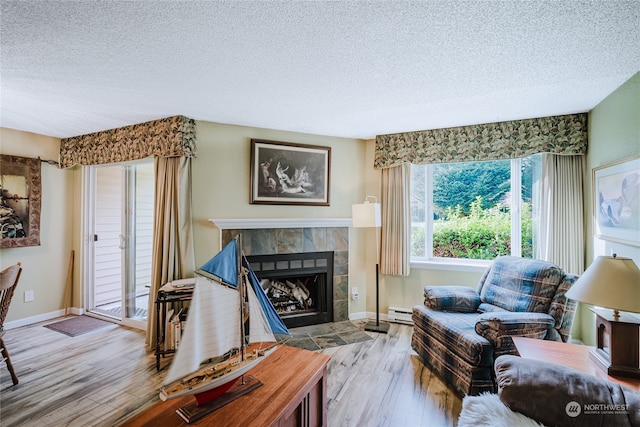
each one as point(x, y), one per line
point(367, 215)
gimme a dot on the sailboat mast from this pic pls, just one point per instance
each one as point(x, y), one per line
point(242, 291)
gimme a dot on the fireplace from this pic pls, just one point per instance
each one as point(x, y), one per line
point(299, 285)
point(294, 236)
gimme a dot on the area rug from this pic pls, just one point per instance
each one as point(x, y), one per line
point(77, 325)
point(318, 337)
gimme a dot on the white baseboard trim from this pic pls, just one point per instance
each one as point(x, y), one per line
point(384, 317)
point(41, 318)
point(368, 315)
point(357, 316)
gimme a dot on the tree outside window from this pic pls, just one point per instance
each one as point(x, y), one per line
point(468, 210)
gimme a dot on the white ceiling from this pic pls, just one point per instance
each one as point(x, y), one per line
point(350, 69)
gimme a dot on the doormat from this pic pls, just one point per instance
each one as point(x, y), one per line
point(319, 337)
point(77, 325)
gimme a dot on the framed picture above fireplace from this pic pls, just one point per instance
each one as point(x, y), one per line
point(285, 173)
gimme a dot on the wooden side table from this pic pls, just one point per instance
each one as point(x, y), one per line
point(294, 393)
point(571, 355)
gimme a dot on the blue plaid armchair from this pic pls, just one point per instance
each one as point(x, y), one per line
point(460, 331)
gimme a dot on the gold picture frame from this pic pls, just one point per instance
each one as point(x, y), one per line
point(20, 202)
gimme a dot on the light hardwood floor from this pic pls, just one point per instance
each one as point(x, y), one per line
point(104, 377)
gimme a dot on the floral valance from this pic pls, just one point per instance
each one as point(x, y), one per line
point(492, 141)
point(171, 137)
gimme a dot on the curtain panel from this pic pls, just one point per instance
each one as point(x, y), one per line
point(396, 221)
point(493, 141)
point(561, 231)
point(170, 137)
point(173, 254)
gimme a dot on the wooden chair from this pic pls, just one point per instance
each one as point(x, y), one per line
point(8, 281)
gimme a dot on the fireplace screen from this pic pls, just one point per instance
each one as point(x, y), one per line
point(300, 285)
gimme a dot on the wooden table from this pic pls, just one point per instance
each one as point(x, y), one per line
point(571, 355)
point(294, 393)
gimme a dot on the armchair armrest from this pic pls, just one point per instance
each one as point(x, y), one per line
point(463, 299)
point(498, 327)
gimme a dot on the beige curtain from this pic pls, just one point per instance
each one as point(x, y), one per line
point(173, 252)
point(562, 207)
point(396, 221)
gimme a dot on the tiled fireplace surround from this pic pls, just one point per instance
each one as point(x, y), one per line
point(268, 241)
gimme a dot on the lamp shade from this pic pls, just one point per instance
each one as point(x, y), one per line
point(366, 215)
point(611, 282)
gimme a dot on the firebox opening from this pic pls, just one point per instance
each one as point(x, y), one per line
point(296, 296)
point(300, 285)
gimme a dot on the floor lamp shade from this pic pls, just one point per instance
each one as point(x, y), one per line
point(366, 215)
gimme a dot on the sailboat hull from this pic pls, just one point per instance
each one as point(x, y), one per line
point(204, 381)
point(214, 393)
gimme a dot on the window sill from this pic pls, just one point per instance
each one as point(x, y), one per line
point(452, 265)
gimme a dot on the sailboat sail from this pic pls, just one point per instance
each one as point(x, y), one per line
point(275, 322)
point(211, 328)
point(259, 330)
point(224, 265)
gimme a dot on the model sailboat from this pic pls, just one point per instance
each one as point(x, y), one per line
point(229, 330)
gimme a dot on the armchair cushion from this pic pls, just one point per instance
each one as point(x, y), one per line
point(520, 284)
point(498, 327)
point(462, 299)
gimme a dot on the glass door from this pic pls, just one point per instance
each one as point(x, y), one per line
point(119, 240)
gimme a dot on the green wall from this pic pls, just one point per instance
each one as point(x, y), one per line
point(614, 134)
point(221, 188)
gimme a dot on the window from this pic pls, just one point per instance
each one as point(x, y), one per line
point(475, 210)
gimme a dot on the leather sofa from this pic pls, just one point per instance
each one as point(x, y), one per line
point(460, 331)
point(531, 392)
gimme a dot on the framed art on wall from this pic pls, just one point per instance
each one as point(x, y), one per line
point(289, 174)
point(20, 185)
point(616, 200)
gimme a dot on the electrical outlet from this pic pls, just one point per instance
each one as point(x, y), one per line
point(29, 296)
point(354, 293)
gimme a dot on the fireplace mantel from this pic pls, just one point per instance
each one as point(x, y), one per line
point(260, 223)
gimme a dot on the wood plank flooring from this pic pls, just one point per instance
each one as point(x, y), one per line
point(106, 376)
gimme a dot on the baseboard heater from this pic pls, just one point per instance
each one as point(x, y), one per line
point(400, 315)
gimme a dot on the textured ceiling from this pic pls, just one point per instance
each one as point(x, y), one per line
point(350, 69)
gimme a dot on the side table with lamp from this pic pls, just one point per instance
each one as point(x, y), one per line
point(613, 282)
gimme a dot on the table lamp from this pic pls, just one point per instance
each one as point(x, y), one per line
point(368, 215)
point(613, 282)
